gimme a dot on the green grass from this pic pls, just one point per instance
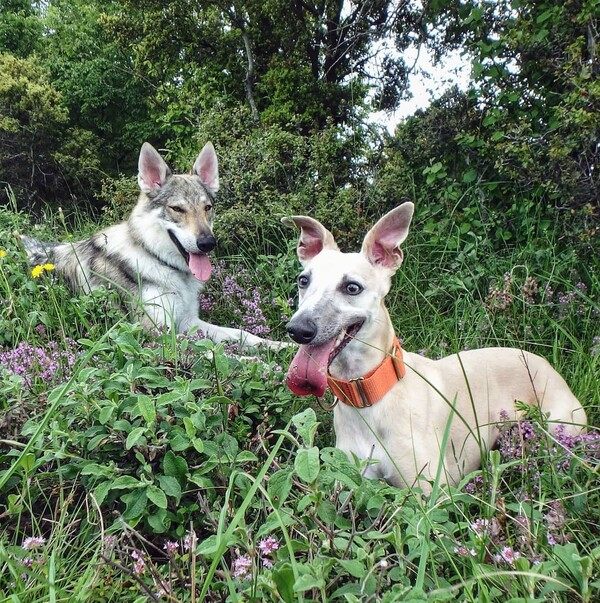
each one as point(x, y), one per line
point(156, 467)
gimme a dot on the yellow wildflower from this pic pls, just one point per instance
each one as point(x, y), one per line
point(37, 270)
point(2, 253)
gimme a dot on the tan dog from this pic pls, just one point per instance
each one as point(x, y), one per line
point(396, 407)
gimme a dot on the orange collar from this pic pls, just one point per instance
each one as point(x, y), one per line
point(367, 390)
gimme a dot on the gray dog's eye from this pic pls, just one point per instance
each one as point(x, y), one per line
point(353, 288)
point(177, 209)
point(303, 281)
point(207, 208)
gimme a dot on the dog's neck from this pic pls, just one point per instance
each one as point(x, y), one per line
point(368, 349)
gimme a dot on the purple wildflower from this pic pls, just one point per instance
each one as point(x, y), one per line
point(480, 527)
point(31, 543)
point(530, 289)
point(50, 364)
point(268, 545)
point(474, 485)
point(500, 297)
point(241, 566)
point(463, 551)
point(189, 541)
point(242, 301)
point(139, 565)
point(556, 519)
point(507, 555)
point(171, 547)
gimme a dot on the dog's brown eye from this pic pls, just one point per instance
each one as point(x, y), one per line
point(303, 281)
point(207, 208)
point(177, 209)
point(353, 289)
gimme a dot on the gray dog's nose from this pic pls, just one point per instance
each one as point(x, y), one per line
point(302, 331)
point(206, 243)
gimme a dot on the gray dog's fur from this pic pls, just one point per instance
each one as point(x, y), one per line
point(157, 259)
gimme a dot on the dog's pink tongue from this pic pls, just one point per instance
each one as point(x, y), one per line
point(308, 372)
point(200, 266)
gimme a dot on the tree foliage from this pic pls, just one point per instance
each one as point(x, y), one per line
point(516, 155)
point(96, 79)
point(42, 157)
point(536, 91)
point(20, 28)
point(307, 60)
point(285, 90)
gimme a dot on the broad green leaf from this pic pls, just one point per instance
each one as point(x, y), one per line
point(167, 399)
point(135, 502)
point(96, 470)
point(308, 582)
point(95, 441)
point(306, 425)
point(147, 409)
point(469, 176)
point(106, 414)
point(159, 521)
point(353, 567)
point(135, 435)
point(190, 428)
point(283, 577)
point(180, 442)
point(307, 464)
point(209, 546)
point(326, 511)
point(170, 486)
point(157, 496)
point(126, 481)
point(101, 491)
point(175, 465)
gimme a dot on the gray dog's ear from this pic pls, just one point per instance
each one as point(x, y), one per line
point(152, 169)
point(207, 167)
point(314, 237)
point(382, 243)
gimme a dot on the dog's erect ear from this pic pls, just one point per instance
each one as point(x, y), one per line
point(152, 169)
point(207, 167)
point(381, 245)
point(314, 237)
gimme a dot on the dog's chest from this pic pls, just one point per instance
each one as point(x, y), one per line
point(365, 433)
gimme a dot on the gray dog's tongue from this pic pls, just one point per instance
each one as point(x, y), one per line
point(308, 372)
point(200, 266)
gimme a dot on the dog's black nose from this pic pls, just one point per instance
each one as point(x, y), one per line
point(206, 243)
point(302, 331)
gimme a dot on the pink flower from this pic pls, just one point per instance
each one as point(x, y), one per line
point(508, 555)
point(171, 547)
point(241, 566)
point(480, 527)
point(268, 545)
point(139, 567)
point(33, 542)
point(463, 551)
point(188, 541)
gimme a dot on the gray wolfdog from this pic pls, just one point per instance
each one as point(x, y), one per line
point(157, 260)
point(396, 408)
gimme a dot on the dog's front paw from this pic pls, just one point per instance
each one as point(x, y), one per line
point(270, 344)
point(279, 345)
